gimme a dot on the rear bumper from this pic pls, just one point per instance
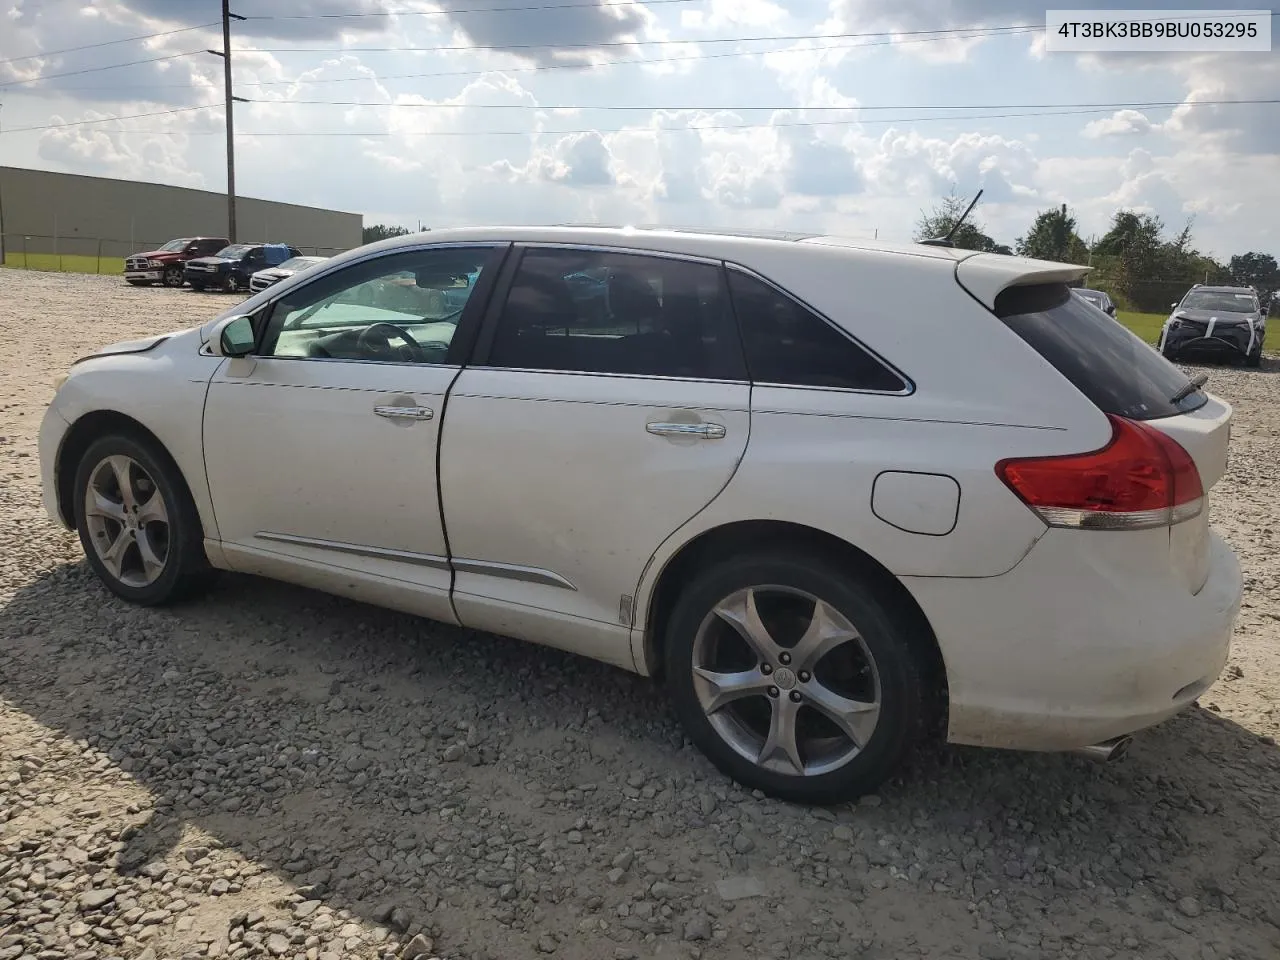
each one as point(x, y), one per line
point(1076, 645)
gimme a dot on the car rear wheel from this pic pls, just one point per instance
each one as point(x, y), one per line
point(137, 522)
point(794, 678)
point(173, 277)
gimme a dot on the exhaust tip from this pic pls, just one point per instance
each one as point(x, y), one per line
point(1106, 751)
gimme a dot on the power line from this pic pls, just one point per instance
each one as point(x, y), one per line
point(642, 61)
point(113, 66)
point(948, 34)
point(1143, 104)
point(106, 43)
point(1055, 110)
point(132, 116)
point(451, 13)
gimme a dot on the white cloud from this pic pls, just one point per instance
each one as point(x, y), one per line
point(1122, 123)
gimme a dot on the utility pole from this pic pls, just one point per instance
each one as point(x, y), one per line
point(225, 54)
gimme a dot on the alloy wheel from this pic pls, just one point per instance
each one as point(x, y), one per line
point(127, 520)
point(173, 277)
point(786, 680)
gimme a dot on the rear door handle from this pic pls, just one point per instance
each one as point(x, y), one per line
point(703, 431)
point(404, 413)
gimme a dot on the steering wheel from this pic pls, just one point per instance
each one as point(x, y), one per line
point(388, 332)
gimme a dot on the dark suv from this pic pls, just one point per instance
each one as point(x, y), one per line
point(232, 266)
point(1216, 321)
point(165, 264)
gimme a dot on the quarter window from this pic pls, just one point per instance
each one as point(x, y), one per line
point(400, 308)
point(599, 312)
point(786, 343)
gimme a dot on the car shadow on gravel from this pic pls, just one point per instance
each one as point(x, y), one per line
point(490, 788)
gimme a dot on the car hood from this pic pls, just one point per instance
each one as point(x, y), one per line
point(217, 261)
point(141, 345)
point(1222, 316)
point(273, 272)
point(157, 255)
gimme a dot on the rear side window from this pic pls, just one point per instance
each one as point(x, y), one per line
point(595, 312)
point(1120, 373)
point(786, 343)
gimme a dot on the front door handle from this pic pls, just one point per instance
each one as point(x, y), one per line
point(702, 431)
point(405, 413)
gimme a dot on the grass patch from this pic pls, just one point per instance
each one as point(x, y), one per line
point(1145, 325)
point(64, 263)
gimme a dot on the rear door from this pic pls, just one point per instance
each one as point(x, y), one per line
point(1126, 377)
point(608, 404)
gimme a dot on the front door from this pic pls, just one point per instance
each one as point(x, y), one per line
point(321, 447)
point(610, 407)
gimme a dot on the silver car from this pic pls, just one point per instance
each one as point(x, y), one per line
point(265, 278)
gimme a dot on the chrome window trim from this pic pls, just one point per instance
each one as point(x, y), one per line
point(616, 376)
point(505, 571)
point(908, 389)
point(716, 262)
point(378, 553)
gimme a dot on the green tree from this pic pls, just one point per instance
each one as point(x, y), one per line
point(1053, 237)
point(1256, 270)
point(381, 231)
point(1133, 245)
point(939, 221)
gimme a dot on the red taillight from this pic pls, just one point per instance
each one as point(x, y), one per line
point(1142, 478)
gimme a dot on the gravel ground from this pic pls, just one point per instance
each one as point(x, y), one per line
point(273, 772)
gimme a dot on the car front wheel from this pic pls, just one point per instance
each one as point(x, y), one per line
point(137, 522)
point(173, 277)
point(794, 678)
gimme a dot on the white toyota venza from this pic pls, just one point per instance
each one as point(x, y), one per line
point(837, 495)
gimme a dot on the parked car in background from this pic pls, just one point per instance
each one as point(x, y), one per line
point(232, 266)
point(1098, 298)
point(971, 505)
point(165, 265)
point(265, 278)
point(1216, 322)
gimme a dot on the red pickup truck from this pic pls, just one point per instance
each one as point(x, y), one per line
point(166, 264)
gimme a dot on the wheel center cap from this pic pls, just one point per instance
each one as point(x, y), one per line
point(783, 678)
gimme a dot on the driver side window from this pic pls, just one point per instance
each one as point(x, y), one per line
point(399, 308)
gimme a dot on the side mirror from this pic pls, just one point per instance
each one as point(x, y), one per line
point(233, 337)
point(1174, 305)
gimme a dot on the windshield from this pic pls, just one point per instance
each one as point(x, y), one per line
point(233, 252)
point(1093, 296)
point(1223, 302)
point(299, 263)
point(173, 246)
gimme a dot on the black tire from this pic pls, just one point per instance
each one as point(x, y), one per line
point(173, 277)
point(186, 570)
point(1253, 359)
point(899, 666)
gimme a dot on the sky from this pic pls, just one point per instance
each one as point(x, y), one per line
point(839, 116)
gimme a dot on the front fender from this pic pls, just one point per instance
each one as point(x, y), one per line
point(163, 390)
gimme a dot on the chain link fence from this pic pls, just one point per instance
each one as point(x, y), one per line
point(104, 255)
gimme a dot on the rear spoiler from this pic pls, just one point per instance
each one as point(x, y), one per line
point(985, 275)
